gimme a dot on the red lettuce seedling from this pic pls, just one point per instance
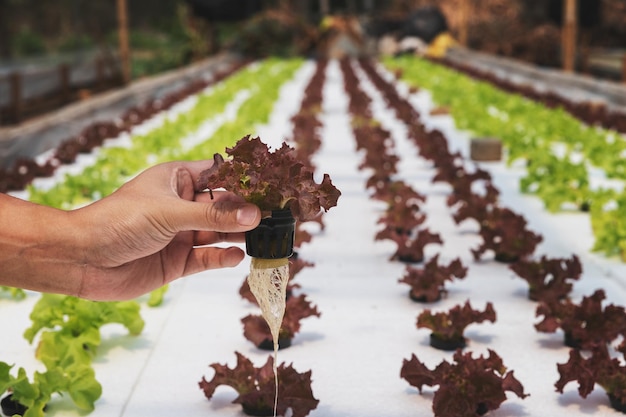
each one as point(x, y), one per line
point(452, 171)
point(434, 147)
point(400, 218)
point(470, 205)
point(378, 155)
point(394, 191)
point(279, 183)
point(599, 368)
point(585, 324)
point(256, 387)
point(256, 330)
point(428, 283)
point(271, 180)
point(448, 327)
point(467, 388)
point(548, 278)
point(505, 233)
point(410, 242)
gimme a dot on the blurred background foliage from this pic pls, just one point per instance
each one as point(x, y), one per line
point(165, 34)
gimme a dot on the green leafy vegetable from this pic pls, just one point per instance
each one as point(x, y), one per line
point(14, 293)
point(77, 380)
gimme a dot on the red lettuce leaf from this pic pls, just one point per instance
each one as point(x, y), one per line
point(410, 248)
point(548, 278)
point(505, 233)
point(599, 368)
point(428, 283)
point(256, 386)
point(271, 180)
point(588, 323)
point(297, 308)
point(451, 325)
point(468, 387)
point(417, 374)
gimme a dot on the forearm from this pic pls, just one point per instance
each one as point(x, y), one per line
point(39, 247)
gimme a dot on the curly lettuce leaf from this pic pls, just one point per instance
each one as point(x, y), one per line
point(256, 386)
point(467, 386)
point(271, 180)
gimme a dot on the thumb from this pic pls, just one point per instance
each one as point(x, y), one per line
point(224, 216)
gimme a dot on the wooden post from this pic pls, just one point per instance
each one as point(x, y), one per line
point(624, 68)
point(324, 7)
point(464, 13)
point(15, 106)
point(569, 34)
point(122, 23)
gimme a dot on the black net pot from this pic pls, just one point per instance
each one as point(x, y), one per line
point(447, 344)
point(273, 238)
point(617, 404)
point(11, 408)
point(268, 344)
point(258, 411)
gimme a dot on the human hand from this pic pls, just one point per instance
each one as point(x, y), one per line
point(157, 228)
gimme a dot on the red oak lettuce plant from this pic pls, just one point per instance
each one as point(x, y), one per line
point(271, 180)
point(585, 324)
point(468, 387)
point(428, 283)
point(452, 171)
point(393, 191)
point(548, 278)
point(505, 233)
point(400, 219)
point(470, 205)
point(448, 327)
point(296, 264)
point(410, 246)
point(256, 387)
point(599, 368)
point(258, 332)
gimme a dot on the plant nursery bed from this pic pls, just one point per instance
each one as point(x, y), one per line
point(367, 326)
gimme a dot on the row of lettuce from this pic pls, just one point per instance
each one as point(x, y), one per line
point(567, 164)
point(67, 329)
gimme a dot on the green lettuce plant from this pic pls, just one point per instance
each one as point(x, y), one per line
point(12, 292)
point(69, 327)
point(32, 395)
point(69, 335)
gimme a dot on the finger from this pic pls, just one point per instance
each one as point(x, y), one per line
point(209, 238)
point(224, 216)
point(217, 195)
point(206, 258)
point(195, 168)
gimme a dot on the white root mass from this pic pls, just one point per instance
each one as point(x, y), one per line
point(268, 283)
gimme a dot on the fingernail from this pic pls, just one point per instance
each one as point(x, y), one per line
point(246, 215)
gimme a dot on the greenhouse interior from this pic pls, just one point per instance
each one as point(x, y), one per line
point(183, 183)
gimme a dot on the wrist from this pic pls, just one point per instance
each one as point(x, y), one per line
point(39, 247)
